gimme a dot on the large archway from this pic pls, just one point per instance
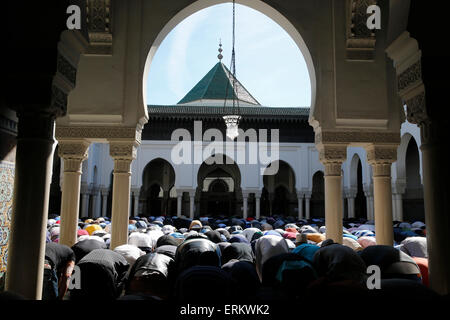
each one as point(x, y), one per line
point(151, 47)
point(158, 179)
point(219, 188)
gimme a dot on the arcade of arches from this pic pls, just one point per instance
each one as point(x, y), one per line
point(88, 89)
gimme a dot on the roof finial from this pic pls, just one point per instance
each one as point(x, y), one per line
point(220, 56)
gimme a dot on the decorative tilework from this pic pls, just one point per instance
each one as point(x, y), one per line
point(6, 196)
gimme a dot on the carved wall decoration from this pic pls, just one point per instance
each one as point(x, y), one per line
point(410, 77)
point(98, 133)
point(59, 101)
point(357, 137)
point(416, 111)
point(122, 150)
point(99, 21)
point(360, 40)
point(66, 69)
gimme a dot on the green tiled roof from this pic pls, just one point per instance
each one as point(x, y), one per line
point(205, 111)
point(214, 86)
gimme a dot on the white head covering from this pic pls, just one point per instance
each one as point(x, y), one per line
point(249, 232)
point(130, 252)
point(140, 239)
point(415, 247)
point(351, 243)
point(168, 229)
point(267, 247)
point(154, 236)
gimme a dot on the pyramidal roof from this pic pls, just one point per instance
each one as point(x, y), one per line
point(213, 86)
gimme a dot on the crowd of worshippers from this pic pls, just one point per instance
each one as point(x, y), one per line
point(211, 259)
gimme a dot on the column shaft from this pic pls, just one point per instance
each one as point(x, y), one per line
point(245, 206)
point(120, 202)
point(136, 205)
point(436, 197)
point(179, 198)
point(300, 206)
point(26, 248)
point(383, 206)
point(73, 154)
point(308, 208)
point(104, 203)
point(333, 201)
point(351, 207)
point(257, 206)
point(381, 157)
point(191, 206)
point(84, 205)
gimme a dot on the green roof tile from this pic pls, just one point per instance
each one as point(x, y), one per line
point(214, 86)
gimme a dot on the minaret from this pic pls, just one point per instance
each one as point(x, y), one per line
point(220, 56)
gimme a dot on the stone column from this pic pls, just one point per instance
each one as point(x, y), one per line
point(73, 154)
point(95, 212)
point(397, 206)
point(191, 203)
point(165, 202)
point(123, 154)
point(368, 192)
point(257, 205)
point(308, 204)
point(351, 195)
point(33, 170)
point(435, 137)
point(245, 205)
point(136, 202)
point(381, 158)
point(84, 201)
point(300, 205)
point(332, 157)
point(104, 193)
point(179, 202)
point(398, 189)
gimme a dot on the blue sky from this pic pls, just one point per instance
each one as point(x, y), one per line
point(268, 62)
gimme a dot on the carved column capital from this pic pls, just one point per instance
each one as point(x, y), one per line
point(332, 157)
point(73, 154)
point(123, 150)
point(378, 154)
point(381, 158)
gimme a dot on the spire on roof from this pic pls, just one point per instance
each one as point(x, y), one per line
point(220, 56)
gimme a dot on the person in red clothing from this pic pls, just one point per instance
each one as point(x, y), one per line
point(423, 266)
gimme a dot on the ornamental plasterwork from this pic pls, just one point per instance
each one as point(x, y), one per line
point(416, 109)
point(381, 154)
point(73, 150)
point(99, 22)
point(411, 76)
point(356, 137)
point(98, 133)
point(360, 39)
point(66, 69)
point(333, 168)
point(336, 154)
point(58, 104)
point(123, 150)
point(405, 53)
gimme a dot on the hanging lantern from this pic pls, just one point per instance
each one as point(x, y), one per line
point(232, 123)
point(233, 118)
